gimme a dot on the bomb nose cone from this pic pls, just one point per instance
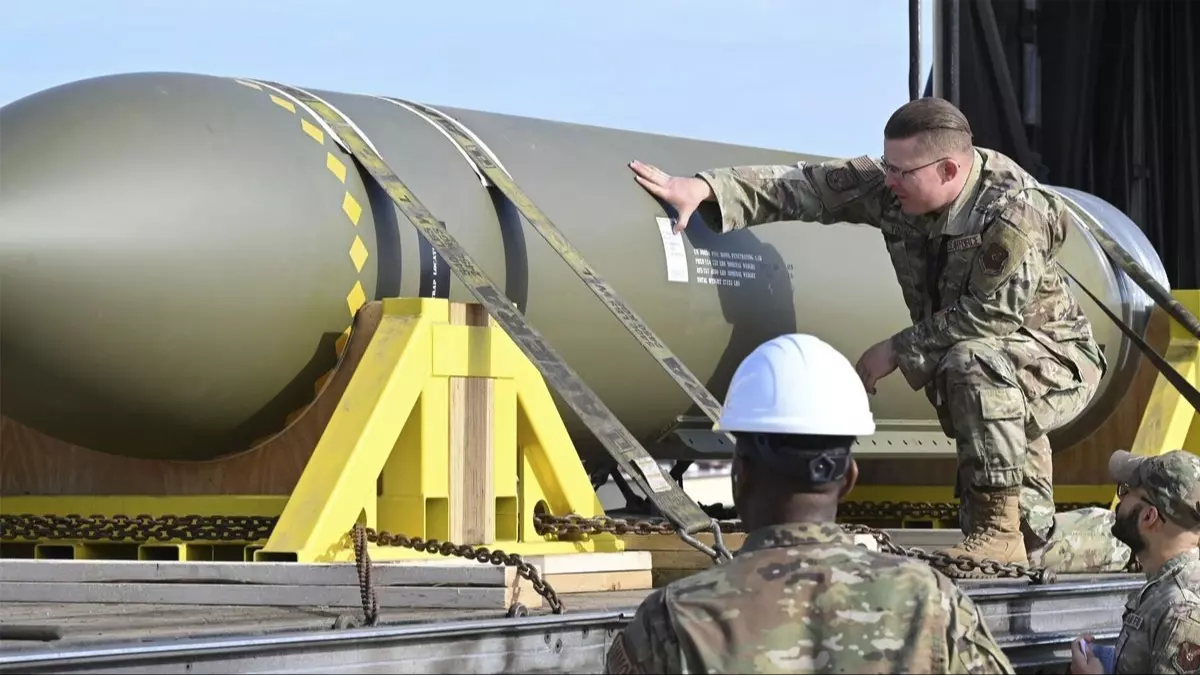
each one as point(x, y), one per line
point(145, 306)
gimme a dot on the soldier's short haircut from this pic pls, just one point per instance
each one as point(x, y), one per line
point(941, 126)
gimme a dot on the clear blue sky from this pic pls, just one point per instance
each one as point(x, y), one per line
point(818, 76)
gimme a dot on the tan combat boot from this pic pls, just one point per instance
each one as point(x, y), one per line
point(997, 534)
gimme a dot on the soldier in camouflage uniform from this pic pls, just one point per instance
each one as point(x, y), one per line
point(1083, 542)
point(800, 595)
point(1158, 517)
point(998, 341)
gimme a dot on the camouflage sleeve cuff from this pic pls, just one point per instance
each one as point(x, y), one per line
point(723, 213)
point(915, 364)
point(849, 190)
point(744, 196)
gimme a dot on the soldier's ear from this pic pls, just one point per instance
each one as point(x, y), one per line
point(949, 169)
point(850, 480)
point(1151, 517)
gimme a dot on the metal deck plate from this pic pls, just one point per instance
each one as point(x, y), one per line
point(1032, 623)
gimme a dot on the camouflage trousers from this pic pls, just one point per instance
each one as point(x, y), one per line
point(998, 398)
point(1081, 541)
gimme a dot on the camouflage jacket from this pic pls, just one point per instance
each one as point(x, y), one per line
point(986, 267)
point(1161, 631)
point(803, 598)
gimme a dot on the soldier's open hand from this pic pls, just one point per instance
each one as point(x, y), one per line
point(876, 363)
point(683, 193)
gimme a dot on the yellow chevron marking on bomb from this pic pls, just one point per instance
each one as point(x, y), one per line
point(352, 209)
point(284, 103)
point(356, 297)
point(335, 166)
point(313, 130)
point(358, 253)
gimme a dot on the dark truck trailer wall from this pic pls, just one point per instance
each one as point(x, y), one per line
point(1103, 97)
point(180, 253)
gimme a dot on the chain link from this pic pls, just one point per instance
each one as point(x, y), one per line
point(952, 565)
point(139, 529)
point(477, 553)
point(247, 529)
point(573, 525)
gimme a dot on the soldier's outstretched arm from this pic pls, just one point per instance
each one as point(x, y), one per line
point(1177, 641)
point(970, 645)
point(1013, 257)
point(849, 190)
point(647, 644)
point(837, 190)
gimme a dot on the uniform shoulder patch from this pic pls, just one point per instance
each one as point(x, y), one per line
point(841, 178)
point(994, 258)
point(1003, 250)
point(1186, 659)
point(841, 181)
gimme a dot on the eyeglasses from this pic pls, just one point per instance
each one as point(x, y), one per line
point(1123, 489)
point(893, 170)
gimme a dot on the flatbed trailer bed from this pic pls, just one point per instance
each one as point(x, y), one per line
point(1033, 623)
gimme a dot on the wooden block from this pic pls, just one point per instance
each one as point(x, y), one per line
point(672, 542)
point(672, 553)
point(575, 563)
point(266, 573)
point(265, 595)
point(472, 458)
point(470, 586)
point(663, 577)
point(598, 582)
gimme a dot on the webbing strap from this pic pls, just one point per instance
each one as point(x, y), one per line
point(1161, 297)
point(1185, 388)
point(664, 493)
point(1126, 263)
point(485, 162)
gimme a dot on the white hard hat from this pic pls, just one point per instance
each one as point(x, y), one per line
point(796, 384)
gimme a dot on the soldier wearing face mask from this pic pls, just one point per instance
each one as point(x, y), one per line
point(1158, 518)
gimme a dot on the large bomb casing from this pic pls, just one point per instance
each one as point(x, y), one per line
point(180, 253)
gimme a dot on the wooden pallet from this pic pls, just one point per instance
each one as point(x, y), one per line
point(590, 572)
point(476, 586)
point(449, 583)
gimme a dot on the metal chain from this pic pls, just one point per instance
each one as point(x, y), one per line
point(888, 510)
point(478, 553)
point(246, 529)
point(954, 564)
point(362, 561)
point(142, 528)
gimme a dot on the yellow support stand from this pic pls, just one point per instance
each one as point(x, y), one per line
point(445, 430)
point(415, 447)
point(1169, 421)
